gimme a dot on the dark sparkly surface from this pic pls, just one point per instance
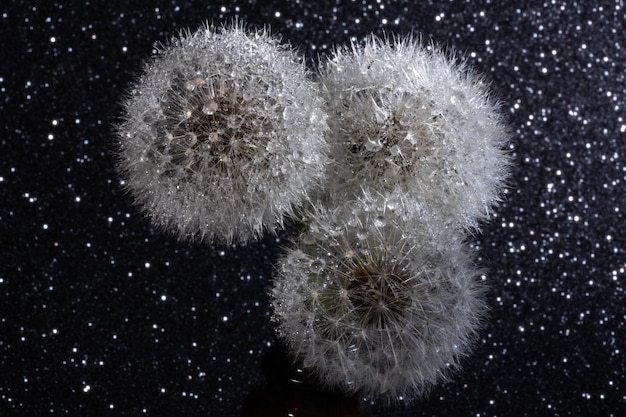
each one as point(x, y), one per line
point(100, 313)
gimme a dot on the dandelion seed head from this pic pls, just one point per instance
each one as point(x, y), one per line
point(405, 116)
point(223, 135)
point(386, 316)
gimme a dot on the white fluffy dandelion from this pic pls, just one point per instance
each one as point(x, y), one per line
point(375, 305)
point(405, 115)
point(222, 135)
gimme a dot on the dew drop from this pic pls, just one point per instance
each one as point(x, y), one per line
point(335, 231)
point(289, 113)
point(380, 221)
point(317, 265)
point(235, 122)
point(373, 145)
point(410, 136)
point(361, 234)
point(272, 146)
point(395, 150)
point(308, 238)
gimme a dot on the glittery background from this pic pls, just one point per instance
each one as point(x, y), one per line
point(100, 313)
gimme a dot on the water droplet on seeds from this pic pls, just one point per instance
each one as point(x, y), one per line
point(435, 113)
point(380, 221)
point(291, 260)
point(235, 122)
point(365, 66)
point(335, 231)
point(317, 265)
point(332, 243)
point(373, 145)
point(271, 146)
point(289, 113)
point(308, 238)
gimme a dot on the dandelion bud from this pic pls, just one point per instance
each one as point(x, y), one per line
point(403, 115)
point(222, 135)
point(374, 304)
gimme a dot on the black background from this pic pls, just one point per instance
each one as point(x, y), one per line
point(100, 314)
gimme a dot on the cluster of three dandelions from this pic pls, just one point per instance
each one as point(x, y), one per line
point(386, 161)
